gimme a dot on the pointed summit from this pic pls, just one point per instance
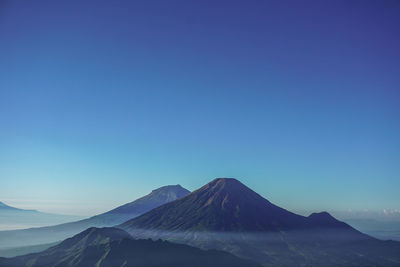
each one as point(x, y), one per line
point(227, 185)
point(227, 215)
point(229, 193)
point(170, 192)
point(224, 204)
point(323, 215)
point(225, 182)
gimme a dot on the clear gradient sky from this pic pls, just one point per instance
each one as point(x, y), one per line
point(103, 101)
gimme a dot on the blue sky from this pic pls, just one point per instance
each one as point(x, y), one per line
point(101, 102)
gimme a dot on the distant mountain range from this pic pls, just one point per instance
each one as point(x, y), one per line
point(15, 218)
point(227, 215)
point(112, 247)
point(223, 223)
point(50, 234)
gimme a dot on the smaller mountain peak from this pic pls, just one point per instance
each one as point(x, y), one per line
point(155, 198)
point(177, 186)
point(170, 188)
point(167, 187)
point(324, 219)
point(322, 214)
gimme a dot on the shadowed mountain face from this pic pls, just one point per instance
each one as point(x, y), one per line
point(43, 235)
point(142, 205)
point(115, 247)
point(227, 215)
point(227, 205)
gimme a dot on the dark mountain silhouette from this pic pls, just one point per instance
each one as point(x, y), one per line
point(324, 219)
point(226, 204)
point(227, 215)
point(115, 247)
point(50, 234)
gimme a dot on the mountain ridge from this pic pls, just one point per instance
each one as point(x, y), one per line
point(50, 234)
point(227, 215)
point(160, 195)
point(110, 247)
point(232, 204)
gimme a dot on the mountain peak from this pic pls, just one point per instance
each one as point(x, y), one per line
point(227, 185)
point(170, 192)
point(225, 182)
point(156, 198)
point(112, 217)
point(323, 217)
point(224, 204)
point(170, 188)
point(322, 214)
point(326, 220)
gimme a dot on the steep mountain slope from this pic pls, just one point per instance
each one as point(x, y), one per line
point(43, 235)
point(142, 205)
point(15, 218)
point(115, 247)
point(227, 215)
point(226, 204)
